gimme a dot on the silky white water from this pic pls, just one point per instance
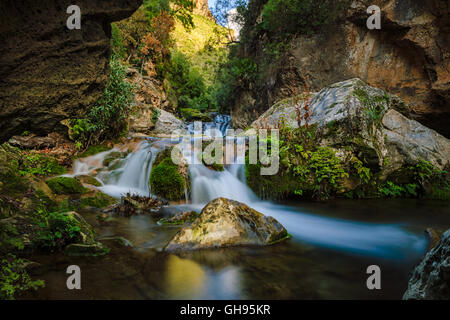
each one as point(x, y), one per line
point(383, 240)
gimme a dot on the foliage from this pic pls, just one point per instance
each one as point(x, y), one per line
point(299, 16)
point(58, 230)
point(374, 106)
point(391, 190)
point(155, 115)
point(306, 169)
point(187, 84)
point(236, 73)
point(166, 181)
point(190, 114)
point(205, 46)
point(65, 185)
point(39, 165)
point(107, 119)
point(327, 170)
point(117, 43)
point(100, 200)
point(362, 172)
point(14, 279)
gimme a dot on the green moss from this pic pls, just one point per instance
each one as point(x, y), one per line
point(14, 278)
point(190, 114)
point(65, 185)
point(166, 181)
point(100, 200)
point(93, 150)
point(89, 180)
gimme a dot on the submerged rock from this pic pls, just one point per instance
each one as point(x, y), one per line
point(431, 278)
point(226, 223)
point(86, 250)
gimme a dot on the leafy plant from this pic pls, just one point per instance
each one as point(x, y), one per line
point(39, 165)
point(58, 230)
point(14, 279)
point(107, 119)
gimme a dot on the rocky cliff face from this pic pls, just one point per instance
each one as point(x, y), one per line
point(430, 279)
point(47, 72)
point(409, 57)
point(201, 7)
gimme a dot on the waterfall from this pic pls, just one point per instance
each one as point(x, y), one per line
point(133, 172)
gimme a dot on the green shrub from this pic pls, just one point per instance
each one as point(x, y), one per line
point(65, 185)
point(166, 181)
point(14, 279)
point(40, 165)
point(107, 119)
point(117, 45)
point(283, 18)
point(58, 230)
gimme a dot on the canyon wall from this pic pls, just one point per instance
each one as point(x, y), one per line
point(49, 73)
point(409, 57)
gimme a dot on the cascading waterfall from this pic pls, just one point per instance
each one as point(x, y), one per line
point(387, 241)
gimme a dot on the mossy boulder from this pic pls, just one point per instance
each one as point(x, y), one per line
point(89, 180)
point(65, 185)
point(98, 200)
point(190, 114)
point(226, 223)
point(168, 180)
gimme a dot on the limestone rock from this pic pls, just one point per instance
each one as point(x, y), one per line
point(50, 73)
point(369, 122)
point(408, 57)
point(225, 223)
point(430, 279)
point(151, 120)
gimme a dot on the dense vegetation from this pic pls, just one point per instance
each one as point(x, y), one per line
point(314, 172)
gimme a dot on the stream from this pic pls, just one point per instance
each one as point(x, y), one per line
point(331, 247)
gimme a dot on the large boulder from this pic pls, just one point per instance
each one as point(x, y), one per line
point(369, 122)
point(408, 56)
point(431, 278)
point(225, 223)
point(147, 119)
point(50, 73)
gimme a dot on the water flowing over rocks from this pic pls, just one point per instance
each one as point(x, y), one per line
point(351, 116)
point(431, 278)
point(225, 223)
point(49, 73)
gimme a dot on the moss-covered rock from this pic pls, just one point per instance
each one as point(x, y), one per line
point(89, 180)
point(168, 180)
point(99, 200)
point(65, 185)
point(190, 114)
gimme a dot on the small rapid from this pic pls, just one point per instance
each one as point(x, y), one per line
point(131, 175)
